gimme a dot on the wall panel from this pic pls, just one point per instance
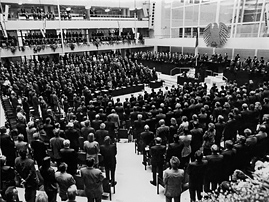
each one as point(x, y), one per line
point(176, 49)
point(244, 53)
point(263, 53)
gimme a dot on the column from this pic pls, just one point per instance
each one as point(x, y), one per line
point(46, 9)
point(19, 35)
point(52, 9)
point(124, 11)
point(87, 35)
point(155, 49)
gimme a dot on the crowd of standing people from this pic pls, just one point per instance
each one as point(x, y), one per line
point(58, 109)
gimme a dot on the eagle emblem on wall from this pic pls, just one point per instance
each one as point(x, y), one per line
point(215, 35)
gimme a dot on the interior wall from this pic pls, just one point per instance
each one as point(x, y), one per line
point(163, 49)
point(176, 49)
point(244, 53)
point(263, 53)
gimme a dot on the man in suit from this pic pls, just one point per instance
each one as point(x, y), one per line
point(151, 122)
point(163, 131)
point(109, 152)
point(101, 134)
point(230, 129)
point(228, 159)
point(48, 127)
point(92, 179)
point(72, 135)
point(69, 156)
point(214, 169)
point(197, 138)
point(96, 122)
point(56, 144)
point(196, 171)
point(87, 129)
point(138, 127)
point(157, 159)
point(38, 148)
point(114, 117)
point(174, 149)
point(146, 138)
point(26, 173)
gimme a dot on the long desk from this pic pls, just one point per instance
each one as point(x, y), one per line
point(122, 90)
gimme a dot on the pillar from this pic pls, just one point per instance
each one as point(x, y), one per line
point(46, 9)
point(52, 9)
point(20, 36)
point(87, 35)
point(124, 11)
point(127, 12)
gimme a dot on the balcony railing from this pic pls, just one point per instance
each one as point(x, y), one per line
point(74, 16)
point(56, 48)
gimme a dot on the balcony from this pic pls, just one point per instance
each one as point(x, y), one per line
point(15, 51)
point(76, 21)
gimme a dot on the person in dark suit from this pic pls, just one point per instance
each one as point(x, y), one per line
point(72, 135)
point(174, 149)
point(138, 126)
point(196, 171)
point(50, 183)
point(151, 122)
point(109, 152)
point(92, 179)
point(146, 138)
point(230, 129)
point(38, 148)
point(87, 129)
point(219, 126)
point(101, 134)
point(240, 160)
point(163, 131)
point(214, 169)
point(96, 122)
point(7, 146)
point(157, 159)
point(197, 139)
point(228, 159)
point(48, 127)
point(69, 156)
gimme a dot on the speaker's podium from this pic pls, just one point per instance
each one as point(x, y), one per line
point(218, 80)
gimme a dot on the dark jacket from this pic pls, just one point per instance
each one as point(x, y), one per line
point(214, 168)
point(147, 137)
point(196, 171)
point(39, 150)
point(69, 156)
point(109, 153)
point(100, 135)
point(73, 135)
point(157, 154)
point(174, 149)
